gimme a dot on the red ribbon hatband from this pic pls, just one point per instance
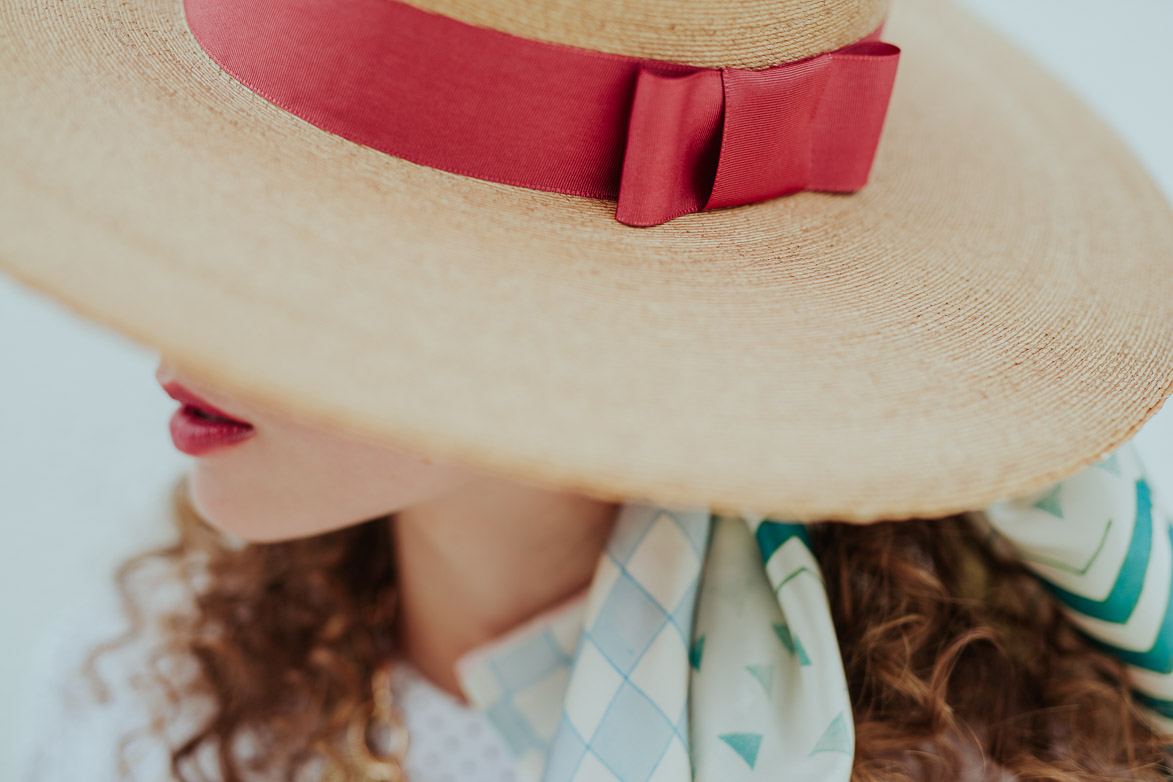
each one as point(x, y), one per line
point(664, 139)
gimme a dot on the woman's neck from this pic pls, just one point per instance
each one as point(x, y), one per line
point(475, 564)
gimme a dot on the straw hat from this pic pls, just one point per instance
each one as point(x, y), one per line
point(993, 310)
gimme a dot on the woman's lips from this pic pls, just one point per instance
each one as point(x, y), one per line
point(199, 427)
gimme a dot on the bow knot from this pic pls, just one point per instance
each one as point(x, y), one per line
point(709, 138)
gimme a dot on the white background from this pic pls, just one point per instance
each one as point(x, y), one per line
point(86, 460)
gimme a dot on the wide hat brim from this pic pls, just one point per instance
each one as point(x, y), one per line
point(991, 312)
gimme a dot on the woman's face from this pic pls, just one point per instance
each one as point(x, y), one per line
point(289, 479)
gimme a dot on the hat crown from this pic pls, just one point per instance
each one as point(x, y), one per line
point(705, 33)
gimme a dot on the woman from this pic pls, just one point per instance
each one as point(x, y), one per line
point(958, 662)
point(456, 284)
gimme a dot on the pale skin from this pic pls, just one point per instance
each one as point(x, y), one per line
point(477, 553)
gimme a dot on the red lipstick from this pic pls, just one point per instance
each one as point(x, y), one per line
point(199, 427)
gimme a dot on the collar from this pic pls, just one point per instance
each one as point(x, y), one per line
point(702, 649)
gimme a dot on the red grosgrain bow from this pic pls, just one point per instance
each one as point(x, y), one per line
point(663, 139)
point(723, 138)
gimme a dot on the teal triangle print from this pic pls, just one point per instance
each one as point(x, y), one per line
point(771, 535)
point(1110, 464)
point(696, 652)
point(835, 738)
point(744, 744)
point(1050, 503)
point(765, 676)
point(792, 643)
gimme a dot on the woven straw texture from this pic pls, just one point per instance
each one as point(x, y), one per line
point(993, 311)
point(711, 34)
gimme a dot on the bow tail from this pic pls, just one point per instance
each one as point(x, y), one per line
point(769, 699)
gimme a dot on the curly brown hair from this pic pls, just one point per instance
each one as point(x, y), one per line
point(959, 663)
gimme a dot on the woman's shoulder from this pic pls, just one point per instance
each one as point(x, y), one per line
point(449, 741)
point(76, 724)
point(78, 714)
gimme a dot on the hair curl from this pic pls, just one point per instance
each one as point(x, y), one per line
point(959, 664)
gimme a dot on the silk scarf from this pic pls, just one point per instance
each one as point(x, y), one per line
point(704, 649)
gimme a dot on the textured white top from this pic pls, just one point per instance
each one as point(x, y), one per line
point(72, 737)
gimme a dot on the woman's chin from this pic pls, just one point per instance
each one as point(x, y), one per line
point(235, 516)
point(256, 519)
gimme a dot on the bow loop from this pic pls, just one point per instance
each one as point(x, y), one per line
point(673, 138)
point(707, 138)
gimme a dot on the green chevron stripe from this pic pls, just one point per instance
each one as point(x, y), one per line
point(1122, 600)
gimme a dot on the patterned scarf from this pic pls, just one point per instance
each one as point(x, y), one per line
point(704, 648)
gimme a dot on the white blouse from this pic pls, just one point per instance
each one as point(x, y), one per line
point(71, 736)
